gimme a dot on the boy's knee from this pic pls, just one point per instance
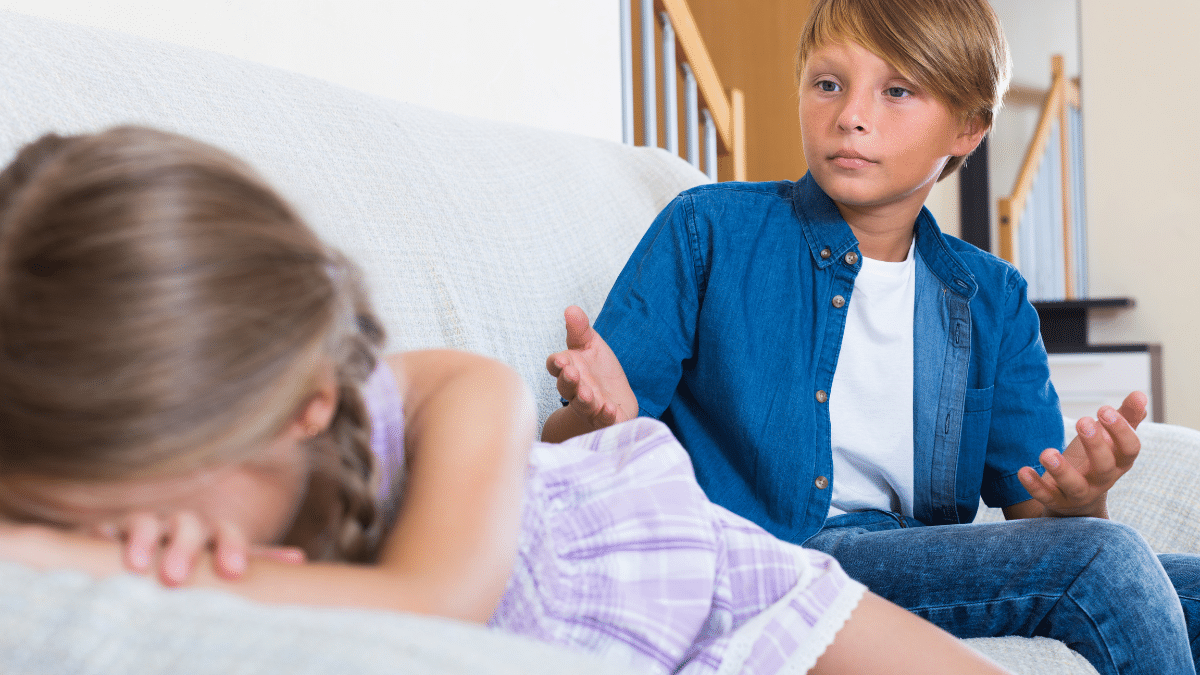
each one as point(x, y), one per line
point(1116, 548)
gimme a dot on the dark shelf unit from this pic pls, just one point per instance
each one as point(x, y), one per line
point(1065, 322)
point(1064, 325)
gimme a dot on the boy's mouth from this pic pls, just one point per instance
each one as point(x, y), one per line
point(850, 159)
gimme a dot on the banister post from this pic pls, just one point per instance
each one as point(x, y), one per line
point(670, 96)
point(738, 112)
point(626, 73)
point(1059, 70)
point(649, 106)
point(1008, 230)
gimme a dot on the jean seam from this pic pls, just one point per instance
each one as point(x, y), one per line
point(1101, 641)
point(986, 602)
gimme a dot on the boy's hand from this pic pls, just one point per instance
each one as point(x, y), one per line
point(175, 542)
point(1077, 481)
point(590, 377)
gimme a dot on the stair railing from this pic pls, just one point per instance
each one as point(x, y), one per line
point(683, 51)
point(1043, 228)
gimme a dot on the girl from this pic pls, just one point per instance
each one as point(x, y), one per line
point(191, 375)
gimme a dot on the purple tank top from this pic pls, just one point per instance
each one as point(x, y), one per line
point(381, 394)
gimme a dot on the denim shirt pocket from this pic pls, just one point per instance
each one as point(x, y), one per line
point(972, 449)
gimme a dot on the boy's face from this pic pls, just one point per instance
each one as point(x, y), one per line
point(873, 139)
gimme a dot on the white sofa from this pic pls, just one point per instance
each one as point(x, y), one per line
point(472, 234)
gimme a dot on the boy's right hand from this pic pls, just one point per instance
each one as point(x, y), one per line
point(590, 378)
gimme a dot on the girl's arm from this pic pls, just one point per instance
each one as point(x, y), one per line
point(469, 424)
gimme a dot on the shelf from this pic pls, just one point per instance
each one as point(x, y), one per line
point(1087, 375)
point(1065, 322)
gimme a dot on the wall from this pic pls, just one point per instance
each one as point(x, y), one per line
point(1141, 91)
point(547, 63)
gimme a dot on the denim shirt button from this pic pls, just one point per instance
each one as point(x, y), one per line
point(839, 302)
point(821, 482)
point(822, 396)
point(851, 258)
point(825, 253)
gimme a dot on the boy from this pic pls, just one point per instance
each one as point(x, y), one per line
point(851, 379)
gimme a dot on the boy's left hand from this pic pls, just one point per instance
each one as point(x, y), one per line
point(1077, 481)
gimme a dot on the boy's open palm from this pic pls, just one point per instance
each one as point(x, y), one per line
point(1077, 481)
point(589, 376)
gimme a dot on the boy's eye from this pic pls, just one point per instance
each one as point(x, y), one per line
point(897, 92)
point(827, 86)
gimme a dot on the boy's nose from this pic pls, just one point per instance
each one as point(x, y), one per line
point(854, 115)
point(852, 119)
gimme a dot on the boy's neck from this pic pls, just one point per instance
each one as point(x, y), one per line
point(883, 233)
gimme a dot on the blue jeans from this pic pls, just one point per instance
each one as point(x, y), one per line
point(1093, 584)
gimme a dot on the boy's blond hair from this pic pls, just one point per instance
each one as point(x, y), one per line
point(953, 48)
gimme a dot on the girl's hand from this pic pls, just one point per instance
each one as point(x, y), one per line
point(175, 542)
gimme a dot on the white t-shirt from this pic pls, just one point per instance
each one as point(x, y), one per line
point(871, 400)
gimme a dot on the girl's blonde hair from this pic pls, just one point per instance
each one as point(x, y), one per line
point(954, 48)
point(163, 310)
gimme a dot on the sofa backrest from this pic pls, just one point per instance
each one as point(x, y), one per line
point(472, 234)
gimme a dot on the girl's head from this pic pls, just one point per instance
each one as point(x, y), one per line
point(165, 314)
point(955, 49)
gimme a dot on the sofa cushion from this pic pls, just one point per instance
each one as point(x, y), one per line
point(64, 622)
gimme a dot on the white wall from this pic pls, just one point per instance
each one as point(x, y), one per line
point(1141, 91)
point(548, 63)
point(943, 203)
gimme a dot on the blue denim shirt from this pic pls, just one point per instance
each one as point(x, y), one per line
point(725, 322)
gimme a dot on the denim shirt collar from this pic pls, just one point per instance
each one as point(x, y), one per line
point(821, 223)
point(823, 227)
point(940, 260)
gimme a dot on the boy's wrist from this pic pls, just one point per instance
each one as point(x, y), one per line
point(1097, 509)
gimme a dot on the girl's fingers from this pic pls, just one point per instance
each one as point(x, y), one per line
point(143, 536)
point(285, 554)
point(187, 536)
point(230, 550)
point(107, 530)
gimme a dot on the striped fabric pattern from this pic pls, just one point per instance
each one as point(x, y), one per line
point(623, 555)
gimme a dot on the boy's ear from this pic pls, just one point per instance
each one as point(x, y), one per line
point(970, 136)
